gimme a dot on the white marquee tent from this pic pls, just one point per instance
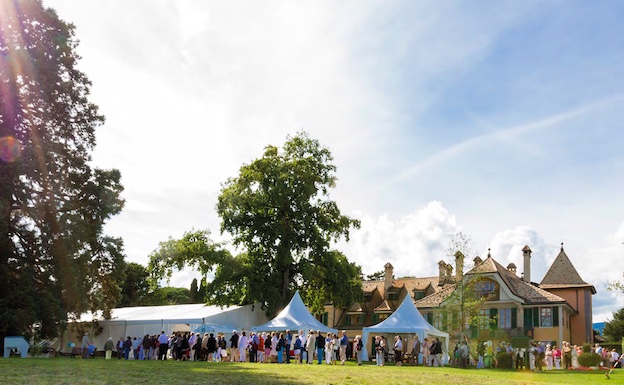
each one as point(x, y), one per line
point(405, 320)
point(142, 320)
point(295, 316)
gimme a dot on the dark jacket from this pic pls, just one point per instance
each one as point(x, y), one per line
point(320, 342)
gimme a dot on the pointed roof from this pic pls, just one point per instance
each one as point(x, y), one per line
point(531, 294)
point(562, 274)
point(356, 308)
point(384, 307)
point(295, 316)
point(406, 319)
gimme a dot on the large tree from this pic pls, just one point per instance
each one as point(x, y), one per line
point(55, 260)
point(278, 210)
point(279, 213)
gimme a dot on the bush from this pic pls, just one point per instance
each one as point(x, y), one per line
point(587, 348)
point(504, 360)
point(589, 359)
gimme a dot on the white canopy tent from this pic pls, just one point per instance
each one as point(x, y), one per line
point(405, 320)
point(142, 320)
point(295, 316)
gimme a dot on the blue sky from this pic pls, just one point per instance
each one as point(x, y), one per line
point(500, 119)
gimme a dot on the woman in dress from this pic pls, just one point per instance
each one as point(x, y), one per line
point(398, 351)
point(549, 357)
point(329, 349)
point(425, 352)
point(267, 347)
point(274, 341)
point(574, 353)
point(311, 346)
point(281, 347)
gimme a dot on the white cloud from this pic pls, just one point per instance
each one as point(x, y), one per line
point(413, 243)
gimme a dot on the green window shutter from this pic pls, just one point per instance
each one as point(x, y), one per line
point(375, 318)
point(528, 318)
point(430, 317)
point(514, 318)
point(536, 317)
point(555, 315)
point(325, 318)
point(474, 332)
point(493, 318)
point(347, 320)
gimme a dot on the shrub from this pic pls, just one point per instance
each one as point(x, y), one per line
point(504, 360)
point(589, 359)
point(587, 348)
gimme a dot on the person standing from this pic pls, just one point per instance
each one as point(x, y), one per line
point(163, 341)
point(320, 346)
point(127, 348)
point(120, 345)
point(416, 351)
point(234, 347)
point(243, 345)
point(302, 356)
point(437, 352)
point(281, 348)
point(311, 346)
point(359, 345)
point(108, 348)
point(344, 340)
point(191, 341)
point(329, 349)
point(480, 353)
point(211, 348)
point(426, 350)
point(85, 345)
point(398, 351)
point(289, 340)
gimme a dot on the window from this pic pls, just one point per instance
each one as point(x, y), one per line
point(485, 289)
point(504, 318)
point(354, 319)
point(546, 317)
point(375, 318)
point(383, 316)
point(438, 321)
point(393, 296)
point(419, 294)
point(483, 319)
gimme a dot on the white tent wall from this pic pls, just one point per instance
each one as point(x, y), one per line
point(405, 321)
point(142, 320)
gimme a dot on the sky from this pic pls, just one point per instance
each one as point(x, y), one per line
point(499, 119)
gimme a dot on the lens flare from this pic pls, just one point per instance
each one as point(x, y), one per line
point(10, 149)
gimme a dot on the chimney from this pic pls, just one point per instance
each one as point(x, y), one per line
point(449, 273)
point(511, 268)
point(526, 253)
point(477, 260)
point(441, 278)
point(388, 276)
point(459, 266)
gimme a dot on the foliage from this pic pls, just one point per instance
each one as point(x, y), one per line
point(589, 359)
point(135, 286)
point(376, 276)
point(55, 260)
point(586, 348)
point(504, 360)
point(278, 211)
point(464, 244)
point(614, 329)
point(462, 307)
point(168, 296)
point(194, 249)
point(194, 290)
point(617, 286)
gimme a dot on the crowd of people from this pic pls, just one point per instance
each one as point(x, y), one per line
point(240, 347)
point(330, 349)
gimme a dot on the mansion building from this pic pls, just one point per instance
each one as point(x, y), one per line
point(489, 302)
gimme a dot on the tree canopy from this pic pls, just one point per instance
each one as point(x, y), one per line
point(614, 329)
point(55, 260)
point(279, 213)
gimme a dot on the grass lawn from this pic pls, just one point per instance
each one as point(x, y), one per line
point(64, 370)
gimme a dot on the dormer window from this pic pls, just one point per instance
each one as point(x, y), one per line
point(485, 289)
point(393, 296)
point(418, 294)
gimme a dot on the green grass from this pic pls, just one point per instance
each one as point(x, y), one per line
point(99, 371)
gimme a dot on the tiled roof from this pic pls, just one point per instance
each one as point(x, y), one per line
point(562, 274)
point(384, 307)
point(434, 300)
point(530, 293)
point(410, 284)
point(356, 308)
